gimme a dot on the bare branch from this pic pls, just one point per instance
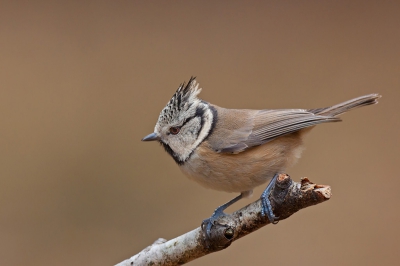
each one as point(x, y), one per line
point(286, 198)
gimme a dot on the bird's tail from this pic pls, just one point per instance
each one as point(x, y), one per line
point(347, 106)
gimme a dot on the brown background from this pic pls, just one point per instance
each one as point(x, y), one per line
point(82, 82)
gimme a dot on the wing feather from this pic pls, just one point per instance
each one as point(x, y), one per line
point(270, 124)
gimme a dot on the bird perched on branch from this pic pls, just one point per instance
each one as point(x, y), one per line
point(236, 150)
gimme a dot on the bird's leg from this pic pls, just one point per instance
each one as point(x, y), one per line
point(266, 203)
point(208, 223)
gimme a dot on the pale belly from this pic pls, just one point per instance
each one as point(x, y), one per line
point(244, 171)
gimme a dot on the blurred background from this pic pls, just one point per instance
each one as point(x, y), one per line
point(81, 82)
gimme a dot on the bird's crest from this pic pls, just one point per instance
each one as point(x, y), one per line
point(183, 99)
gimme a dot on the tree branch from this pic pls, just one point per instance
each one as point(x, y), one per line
point(286, 198)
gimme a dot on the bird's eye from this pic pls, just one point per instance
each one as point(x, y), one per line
point(174, 130)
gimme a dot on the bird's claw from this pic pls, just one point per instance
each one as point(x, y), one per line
point(266, 208)
point(207, 224)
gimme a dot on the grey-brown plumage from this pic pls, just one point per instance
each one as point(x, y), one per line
point(235, 150)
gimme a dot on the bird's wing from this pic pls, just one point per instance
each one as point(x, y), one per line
point(270, 124)
point(259, 127)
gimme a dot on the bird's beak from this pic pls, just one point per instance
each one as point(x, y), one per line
point(151, 137)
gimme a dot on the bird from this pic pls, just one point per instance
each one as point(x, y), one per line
point(236, 150)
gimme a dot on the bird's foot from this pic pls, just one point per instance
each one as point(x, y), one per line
point(207, 224)
point(266, 203)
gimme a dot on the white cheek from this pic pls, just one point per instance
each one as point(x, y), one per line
point(182, 144)
point(190, 131)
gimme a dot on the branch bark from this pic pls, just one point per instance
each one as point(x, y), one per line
point(287, 197)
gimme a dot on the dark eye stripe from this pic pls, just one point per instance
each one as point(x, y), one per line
point(188, 120)
point(199, 113)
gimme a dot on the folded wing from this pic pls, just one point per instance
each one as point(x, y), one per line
point(267, 125)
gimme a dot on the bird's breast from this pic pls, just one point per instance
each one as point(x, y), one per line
point(243, 171)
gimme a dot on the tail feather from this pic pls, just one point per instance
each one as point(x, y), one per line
point(348, 105)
